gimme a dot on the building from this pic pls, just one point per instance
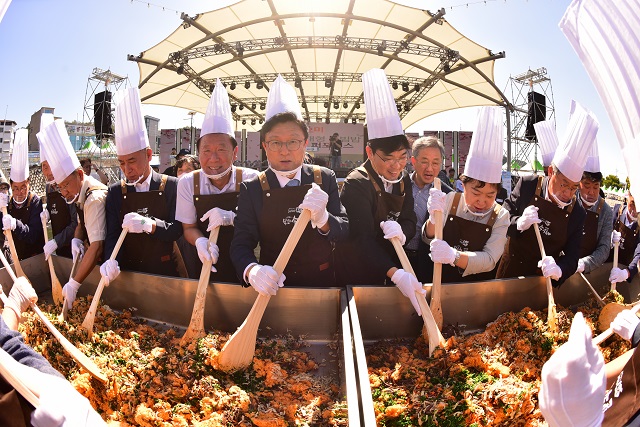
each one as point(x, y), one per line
point(80, 134)
point(7, 130)
point(153, 132)
point(34, 127)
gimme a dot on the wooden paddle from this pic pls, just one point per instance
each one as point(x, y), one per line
point(196, 326)
point(609, 331)
point(63, 316)
point(551, 310)
point(593, 291)
point(56, 287)
point(12, 375)
point(12, 247)
point(73, 351)
point(91, 314)
point(435, 337)
point(615, 262)
point(436, 289)
point(238, 352)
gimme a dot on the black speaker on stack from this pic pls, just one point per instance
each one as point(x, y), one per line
point(537, 112)
point(102, 114)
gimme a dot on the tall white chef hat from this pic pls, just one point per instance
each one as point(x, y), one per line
point(580, 136)
point(282, 98)
point(130, 132)
point(380, 106)
point(484, 161)
point(548, 139)
point(20, 156)
point(60, 155)
point(45, 120)
point(593, 160)
point(218, 118)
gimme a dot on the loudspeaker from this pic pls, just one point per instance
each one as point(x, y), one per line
point(537, 112)
point(102, 114)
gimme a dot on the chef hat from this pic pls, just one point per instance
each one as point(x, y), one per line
point(282, 98)
point(218, 118)
point(484, 161)
point(548, 139)
point(60, 155)
point(3, 178)
point(380, 106)
point(571, 156)
point(45, 120)
point(20, 156)
point(593, 161)
point(131, 133)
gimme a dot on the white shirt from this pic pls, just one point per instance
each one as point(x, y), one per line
point(94, 209)
point(283, 181)
point(143, 186)
point(185, 209)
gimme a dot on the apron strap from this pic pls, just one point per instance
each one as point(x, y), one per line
point(238, 179)
point(262, 176)
point(494, 215)
point(317, 175)
point(454, 206)
point(573, 203)
point(123, 186)
point(539, 186)
point(600, 205)
point(196, 183)
point(163, 182)
point(29, 198)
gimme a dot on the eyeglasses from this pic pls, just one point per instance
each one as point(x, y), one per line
point(392, 161)
point(292, 145)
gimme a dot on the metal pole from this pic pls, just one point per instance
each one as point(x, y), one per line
point(508, 138)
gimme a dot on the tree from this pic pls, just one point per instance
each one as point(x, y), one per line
point(612, 181)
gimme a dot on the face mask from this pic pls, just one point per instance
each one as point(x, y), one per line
point(558, 201)
point(23, 200)
point(480, 214)
point(220, 175)
point(138, 181)
point(286, 174)
point(52, 183)
point(72, 200)
point(632, 218)
point(586, 203)
point(388, 182)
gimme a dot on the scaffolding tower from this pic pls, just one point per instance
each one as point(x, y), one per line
point(522, 149)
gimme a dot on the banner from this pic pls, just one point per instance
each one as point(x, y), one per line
point(167, 144)
point(254, 152)
point(351, 135)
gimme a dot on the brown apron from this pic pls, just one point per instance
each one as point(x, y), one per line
point(229, 202)
point(590, 231)
point(311, 262)
point(628, 239)
point(466, 236)
point(60, 219)
point(24, 249)
point(623, 400)
point(15, 411)
point(140, 251)
point(521, 255)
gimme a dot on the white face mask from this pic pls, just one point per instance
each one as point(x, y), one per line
point(586, 202)
point(480, 214)
point(52, 183)
point(131, 184)
point(632, 218)
point(559, 202)
point(23, 200)
point(72, 200)
point(388, 182)
point(219, 176)
point(286, 174)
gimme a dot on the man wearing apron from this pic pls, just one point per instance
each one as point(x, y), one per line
point(24, 208)
point(208, 197)
point(625, 233)
point(378, 199)
point(144, 201)
point(269, 206)
point(89, 197)
point(550, 202)
point(476, 226)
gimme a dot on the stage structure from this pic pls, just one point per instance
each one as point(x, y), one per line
point(532, 101)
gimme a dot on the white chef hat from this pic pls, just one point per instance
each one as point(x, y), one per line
point(380, 106)
point(130, 133)
point(571, 156)
point(218, 118)
point(593, 161)
point(60, 155)
point(45, 120)
point(548, 139)
point(282, 98)
point(484, 161)
point(20, 156)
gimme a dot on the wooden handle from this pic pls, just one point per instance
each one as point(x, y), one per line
point(609, 331)
point(196, 326)
point(56, 287)
point(65, 310)
point(436, 288)
point(435, 336)
point(616, 245)
point(12, 247)
point(7, 364)
point(551, 308)
point(595, 294)
point(238, 352)
point(91, 314)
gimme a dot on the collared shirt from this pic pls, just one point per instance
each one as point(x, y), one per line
point(94, 209)
point(603, 233)
point(625, 218)
point(420, 198)
point(185, 209)
point(283, 181)
point(144, 186)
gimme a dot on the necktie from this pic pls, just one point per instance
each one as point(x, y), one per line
point(293, 183)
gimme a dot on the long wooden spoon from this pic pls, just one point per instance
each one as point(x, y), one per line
point(552, 316)
point(12, 247)
point(56, 287)
point(436, 288)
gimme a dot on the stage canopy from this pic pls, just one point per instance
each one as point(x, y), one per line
point(321, 47)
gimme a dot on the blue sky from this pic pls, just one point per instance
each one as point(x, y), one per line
point(51, 47)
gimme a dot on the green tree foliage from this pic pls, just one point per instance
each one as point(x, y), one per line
point(612, 181)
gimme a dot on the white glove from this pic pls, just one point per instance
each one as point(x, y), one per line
point(264, 279)
point(408, 285)
point(316, 201)
point(137, 223)
point(49, 248)
point(550, 268)
point(21, 295)
point(528, 218)
point(4, 200)
point(62, 406)
point(441, 252)
point(625, 324)
point(77, 249)
point(218, 218)
point(436, 202)
point(618, 275)
point(207, 252)
point(573, 381)
point(69, 292)
point(580, 268)
point(8, 222)
point(615, 237)
point(392, 229)
point(44, 215)
point(109, 270)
